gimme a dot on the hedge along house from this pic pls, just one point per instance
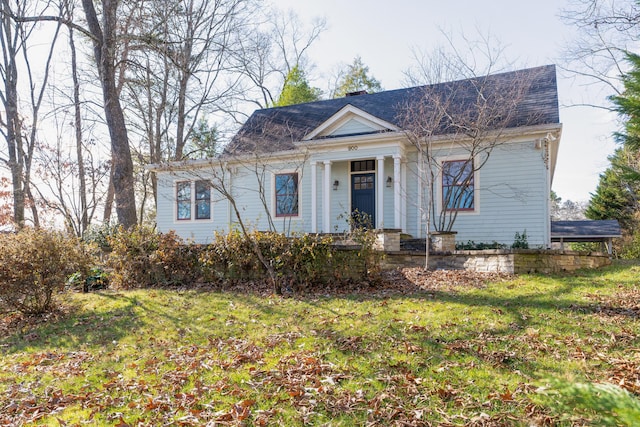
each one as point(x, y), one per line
point(480, 151)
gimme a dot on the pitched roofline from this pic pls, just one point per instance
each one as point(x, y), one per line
point(344, 112)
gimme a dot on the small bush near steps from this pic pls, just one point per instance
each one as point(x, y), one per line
point(35, 266)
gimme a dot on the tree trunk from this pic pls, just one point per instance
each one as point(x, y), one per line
point(8, 38)
point(108, 203)
point(84, 218)
point(122, 164)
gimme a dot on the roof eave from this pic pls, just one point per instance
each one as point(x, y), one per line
point(224, 160)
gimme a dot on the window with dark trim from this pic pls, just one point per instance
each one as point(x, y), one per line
point(193, 197)
point(363, 165)
point(183, 200)
point(203, 200)
point(457, 185)
point(286, 192)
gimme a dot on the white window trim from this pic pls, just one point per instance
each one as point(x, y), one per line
point(297, 217)
point(193, 203)
point(476, 186)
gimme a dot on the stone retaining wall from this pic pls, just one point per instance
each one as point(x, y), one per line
point(518, 261)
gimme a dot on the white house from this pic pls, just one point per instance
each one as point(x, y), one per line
point(305, 168)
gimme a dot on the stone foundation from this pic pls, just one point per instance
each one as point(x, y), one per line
point(387, 240)
point(518, 261)
point(443, 241)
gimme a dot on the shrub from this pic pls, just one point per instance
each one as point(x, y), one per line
point(585, 246)
point(608, 404)
point(520, 241)
point(311, 256)
point(630, 246)
point(96, 280)
point(35, 266)
point(100, 235)
point(132, 260)
point(365, 261)
point(230, 256)
point(144, 258)
point(479, 246)
point(299, 261)
point(179, 261)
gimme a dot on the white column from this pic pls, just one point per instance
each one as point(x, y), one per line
point(397, 209)
point(326, 197)
point(380, 193)
point(314, 197)
point(403, 192)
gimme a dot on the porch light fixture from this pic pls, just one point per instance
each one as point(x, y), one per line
point(389, 181)
point(335, 184)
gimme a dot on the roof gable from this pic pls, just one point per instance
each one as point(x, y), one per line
point(347, 121)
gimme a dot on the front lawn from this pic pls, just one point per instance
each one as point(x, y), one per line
point(441, 349)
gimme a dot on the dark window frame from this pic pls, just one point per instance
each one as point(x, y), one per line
point(183, 199)
point(287, 202)
point(204, 201)
point(462, 179)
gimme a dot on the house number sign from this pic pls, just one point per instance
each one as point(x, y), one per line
point(353, 148)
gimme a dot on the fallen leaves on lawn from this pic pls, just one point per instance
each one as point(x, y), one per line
point(440, 280)
point(625, 303)
point(403, 281)
point(624, 373)
point(193, 384)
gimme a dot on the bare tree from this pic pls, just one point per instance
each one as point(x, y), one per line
point(269, 50)
point(104, 35)
point(607, 29)
point(243, 158)
point(199, 39)
point(459, 57)
point(253, 153)
point(82, 190)
point(11, 127)
point(180, 74)
point(20, 122)
point(60, 173)
point(469, 116)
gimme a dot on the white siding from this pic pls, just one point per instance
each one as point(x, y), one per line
point(388, 199)
point(414, 208)
point(340, 201)
point(197, 230)
point(513, 189)
point(245, 190)
point(513, 192)
point(352, 127)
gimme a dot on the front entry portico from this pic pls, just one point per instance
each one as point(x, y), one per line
point(371, 186)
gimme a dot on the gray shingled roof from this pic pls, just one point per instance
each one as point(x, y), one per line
point(584, 231)
point(275, 129)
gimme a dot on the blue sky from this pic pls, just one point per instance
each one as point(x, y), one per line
point(385, 33)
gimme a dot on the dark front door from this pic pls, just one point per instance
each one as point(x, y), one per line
point(363, 199)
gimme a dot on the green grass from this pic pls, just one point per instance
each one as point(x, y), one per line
point(464, 357)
